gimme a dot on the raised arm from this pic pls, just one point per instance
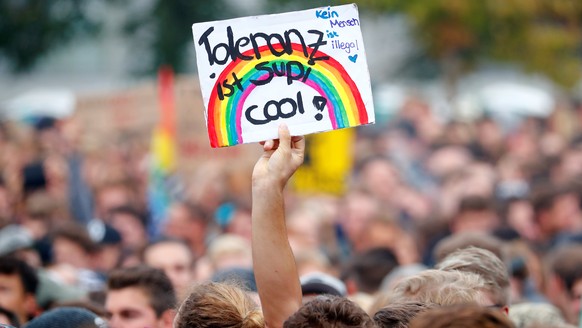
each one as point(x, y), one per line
point(274, 265)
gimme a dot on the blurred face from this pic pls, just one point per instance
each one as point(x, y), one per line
point(68, 252)
point(13, 297)
point(180, 225)
point(477, 221)
point(130, 308)
point(132, 231)
point(176, 261)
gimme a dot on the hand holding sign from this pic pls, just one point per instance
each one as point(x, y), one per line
point(258, 72)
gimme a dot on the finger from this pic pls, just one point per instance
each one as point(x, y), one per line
point(284, 136)
point(299, 143)
point(268, 144)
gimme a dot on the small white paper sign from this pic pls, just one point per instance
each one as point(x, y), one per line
point(305, 68)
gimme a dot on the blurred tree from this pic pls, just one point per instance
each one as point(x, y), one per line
point(30, 28)
point(543, 36)
point(166, 29)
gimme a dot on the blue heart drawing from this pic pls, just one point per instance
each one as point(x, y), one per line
point(353, 58)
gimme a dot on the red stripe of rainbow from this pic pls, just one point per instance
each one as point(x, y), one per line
point(327, 77)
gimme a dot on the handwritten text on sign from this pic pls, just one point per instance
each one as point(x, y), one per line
point(305, 68)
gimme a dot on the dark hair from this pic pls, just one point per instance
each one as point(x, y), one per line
point(77, 234)
point(327, 312)
point(544, 195)
point(368, 269)
point(475, 204)
point(131, 211)
point(398, 315)
point(12, 318)
point(153, 282)
point(566, 263)
point(462, 316)
point(10, 265)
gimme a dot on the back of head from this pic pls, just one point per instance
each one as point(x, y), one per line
point(440, 287)
point(369, 269)
point(218, 305)
point(399, 315)
point(329, 312)
point(151, 281)
point(485, 264)
point(462, 316)
point(466, 239)
point(67, 317)
point(536, 314)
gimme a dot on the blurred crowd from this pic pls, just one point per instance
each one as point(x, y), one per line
point(420, 188)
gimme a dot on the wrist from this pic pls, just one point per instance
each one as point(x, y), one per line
point(268, 184)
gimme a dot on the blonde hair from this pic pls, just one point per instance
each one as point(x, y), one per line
point(218, 305)
point(439, 287)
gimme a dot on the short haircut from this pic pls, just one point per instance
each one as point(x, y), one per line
point(465, 239)
point(132, 211)
point(475, 204)
point(153, 282)
point(218, 305)
point(462, 316)
point(12, 266)
point(77, 234)
point(399, 315)
point(166, 240)
point(566, 263)
point(329, 311)
point(439, 287)
point(368, 269)
point(544, 195)
point(485, 264)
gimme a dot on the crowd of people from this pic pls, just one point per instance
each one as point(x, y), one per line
point(443, 224)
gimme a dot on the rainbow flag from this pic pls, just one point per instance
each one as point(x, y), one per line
point(162, 154)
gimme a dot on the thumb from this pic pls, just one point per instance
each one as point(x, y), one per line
point(284, 137)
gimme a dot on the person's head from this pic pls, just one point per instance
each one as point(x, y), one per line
point(466, 239)
point(564, 285)
point(536, 315)
point(468, 315)
point(475, 213)
point(399, 315)
point(367, 270)
point(131, 224)
point(229, 250)
point(67, 317)
point(175, 258)
point(71, 244)
point(441, 288)
point(327, 312)
point(485, 264)
point(554, 208)
point(111, 195)
point(218, 305)
point(140, 297)
point(18, 285)
point(189, 222)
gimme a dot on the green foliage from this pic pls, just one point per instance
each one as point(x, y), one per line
point(171, 23)
point(30, 28)
point(543, 36)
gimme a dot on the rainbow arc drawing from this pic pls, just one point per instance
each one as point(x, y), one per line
point(328, 78)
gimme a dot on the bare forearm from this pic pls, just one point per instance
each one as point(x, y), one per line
point(274, 264)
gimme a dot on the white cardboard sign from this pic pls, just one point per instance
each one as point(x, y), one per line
point(305, 68)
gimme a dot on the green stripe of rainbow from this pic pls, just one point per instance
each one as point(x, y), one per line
point(327, 77)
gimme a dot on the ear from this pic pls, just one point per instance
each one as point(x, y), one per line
point(167, 319)
point(505, 310)
point(30, 305)
point(351, 286)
